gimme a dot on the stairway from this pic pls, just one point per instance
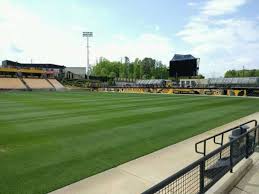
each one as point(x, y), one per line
point(26, 85)
point(51, 84)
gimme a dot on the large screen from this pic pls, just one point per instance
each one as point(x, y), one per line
point(183, 68)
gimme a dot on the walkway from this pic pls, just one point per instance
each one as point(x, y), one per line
point(138, 175)
point(250, 182)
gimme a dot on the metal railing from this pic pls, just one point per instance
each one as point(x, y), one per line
point(221, 135)
point(202, 174)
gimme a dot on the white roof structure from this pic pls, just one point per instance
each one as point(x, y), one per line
point(151, 82)
point(234, 81)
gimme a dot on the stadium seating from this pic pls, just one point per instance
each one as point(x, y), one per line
point(38, 83)
point(29, 84)
point(11, 83)
point(56, 84)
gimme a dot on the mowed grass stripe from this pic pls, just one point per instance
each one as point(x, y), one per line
point(91, 109)
point(60, 138)
point(74, 120)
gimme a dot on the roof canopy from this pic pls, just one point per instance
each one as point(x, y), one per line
point(28, 65)
point(178, 57)
point(150, 82)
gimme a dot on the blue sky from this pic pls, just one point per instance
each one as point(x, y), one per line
point(224, 34)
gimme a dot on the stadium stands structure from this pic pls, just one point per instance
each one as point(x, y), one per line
point(38, 83)
point(46, 73)
point(56, 84)
point(246, 86)
point(35, 68)
point(234, 82)
point(30, 84)
point(151, 82)
point(11, 83)
point(21, 76)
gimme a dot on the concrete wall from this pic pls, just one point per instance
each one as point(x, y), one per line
point(77, 70)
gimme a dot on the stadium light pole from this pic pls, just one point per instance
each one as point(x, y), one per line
point(87, 35)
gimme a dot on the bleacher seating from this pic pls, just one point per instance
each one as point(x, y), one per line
point(29, 84)
point(11, 83)
point(38, 83)
point(56, 84)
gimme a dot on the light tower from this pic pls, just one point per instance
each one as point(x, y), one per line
point(87, 35)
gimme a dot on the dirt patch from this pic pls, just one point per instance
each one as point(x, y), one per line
point(3, 149)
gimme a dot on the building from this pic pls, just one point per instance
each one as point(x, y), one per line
point(75, 72)
point(56, 70)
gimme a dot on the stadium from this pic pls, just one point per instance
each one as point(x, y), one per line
point(129, 97)
point(63, 131)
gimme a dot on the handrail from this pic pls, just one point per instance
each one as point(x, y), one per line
point(219, 134)
point(192, 179)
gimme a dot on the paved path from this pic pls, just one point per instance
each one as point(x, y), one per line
point(138, 175)
point(250, 182)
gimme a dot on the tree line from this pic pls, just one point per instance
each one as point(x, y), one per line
point(146, 68)
point(242, 73)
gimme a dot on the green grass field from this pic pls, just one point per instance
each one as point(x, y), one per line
point(51, 139)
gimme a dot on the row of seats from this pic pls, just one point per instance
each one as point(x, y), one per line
point(38, 83)
point(11, 83)
point(56, 84)
point(29, 83)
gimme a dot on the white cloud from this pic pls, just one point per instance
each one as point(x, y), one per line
point(152, 28)
point(38, 40)
point(145, 45)
point(192, 4)
point(157, 28)
point(222, 44)
point(221, 7)
point(14, 49)
point(44, 42)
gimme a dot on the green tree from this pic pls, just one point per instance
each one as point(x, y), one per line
point(112, 74)
point(148, 67)
point(136, 69)
point(242, 73)
point(139, 69)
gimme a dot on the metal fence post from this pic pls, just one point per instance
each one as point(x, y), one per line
point(221, 143)
point(204, 148)
point(202, 169)
point(254, 141)
point(257, 134)
point(247, 142)
point(256, 146)
point(231, 158)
